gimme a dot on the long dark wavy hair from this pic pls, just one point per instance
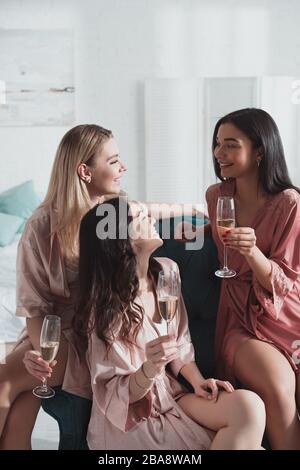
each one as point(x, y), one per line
point(263, 132)
point(108, 281)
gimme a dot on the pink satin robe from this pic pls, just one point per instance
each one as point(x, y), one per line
point(154, 422)
point(246, 308)
point(47, 285)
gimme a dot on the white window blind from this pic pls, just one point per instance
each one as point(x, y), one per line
point(171, 130)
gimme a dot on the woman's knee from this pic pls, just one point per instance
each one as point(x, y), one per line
point(13, 386)
point(248, 408)
point(22, 415)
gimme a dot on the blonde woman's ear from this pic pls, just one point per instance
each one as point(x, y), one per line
point(84, 173)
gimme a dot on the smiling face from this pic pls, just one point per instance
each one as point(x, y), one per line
point(144, 237)
point(106, 170)
point(234, 152)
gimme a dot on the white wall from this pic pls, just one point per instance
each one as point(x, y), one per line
point(120, 43)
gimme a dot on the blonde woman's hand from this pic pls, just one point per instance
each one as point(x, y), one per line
point(36, 366)
point(159, 353)
point(241, 239)
point(210, 388)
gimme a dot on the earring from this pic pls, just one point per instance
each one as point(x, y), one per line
point(258, 162)
point(88, 180)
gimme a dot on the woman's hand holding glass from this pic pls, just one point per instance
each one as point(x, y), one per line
point(36, 366)
point(241, 239)
point(225, 221)
point(49, 343)
point(159, 353)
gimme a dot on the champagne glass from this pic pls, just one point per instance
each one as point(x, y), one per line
point(49, 343)
point(168, 292)
point(225, 221)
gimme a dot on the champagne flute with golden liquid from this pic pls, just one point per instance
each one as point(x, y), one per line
point(168, 292)
point(49, 344)
point(225, 221)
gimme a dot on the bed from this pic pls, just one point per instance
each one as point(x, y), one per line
point(10, 324)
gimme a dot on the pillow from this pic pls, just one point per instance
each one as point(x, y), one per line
point(168, 225)
point(20, 200)
point(9, 225)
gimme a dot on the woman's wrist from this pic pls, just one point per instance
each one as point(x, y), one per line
point(192, 374)
point(141, 380)
point(149, 370)
point(197, 382)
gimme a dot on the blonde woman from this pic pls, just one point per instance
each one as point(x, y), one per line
point(87, 166)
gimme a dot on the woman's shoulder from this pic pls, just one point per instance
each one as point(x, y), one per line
point(38, 225)
point(225, 188)
point(290, 195)
point(287, 199)
point(212, 191)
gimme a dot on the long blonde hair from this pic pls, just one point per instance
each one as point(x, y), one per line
point(67, 193)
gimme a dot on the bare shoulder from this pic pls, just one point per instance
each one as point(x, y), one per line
point(212, 191)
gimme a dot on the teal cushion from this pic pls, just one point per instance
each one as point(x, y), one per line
point(9, 226)
point(166, 227)
point(20, 200)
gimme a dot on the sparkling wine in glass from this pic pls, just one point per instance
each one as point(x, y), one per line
point(225, 221)
point(168, 292)
point(49, 344)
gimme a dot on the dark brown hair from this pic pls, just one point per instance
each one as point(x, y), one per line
point(108, 281)
point(263, 132)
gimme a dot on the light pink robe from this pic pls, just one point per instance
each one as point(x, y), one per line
point(154, 422)
point(47, 285)
point(246, 309)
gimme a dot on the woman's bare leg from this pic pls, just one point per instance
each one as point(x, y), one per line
point(14, 379)
point(265, 370)
point(20, 423)
point(238, 418)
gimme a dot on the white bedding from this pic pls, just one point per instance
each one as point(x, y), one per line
point(10, 324)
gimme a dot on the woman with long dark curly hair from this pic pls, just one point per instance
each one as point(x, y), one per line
point(138, 402)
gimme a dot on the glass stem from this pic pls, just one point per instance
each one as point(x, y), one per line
point(225, 267)
point(167, 327)
point(45, 385)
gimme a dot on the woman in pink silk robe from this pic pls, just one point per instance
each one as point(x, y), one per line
point(258, 323)
point(138, 402)
point(86, 167)
point(155, 422)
